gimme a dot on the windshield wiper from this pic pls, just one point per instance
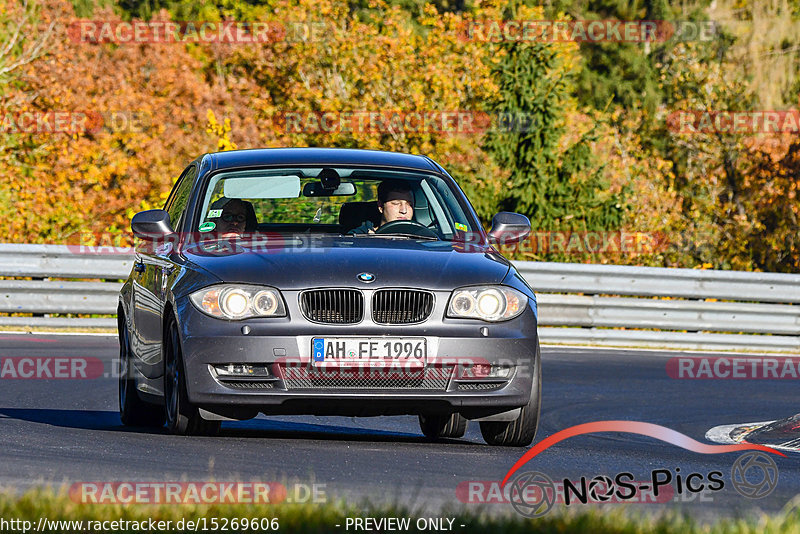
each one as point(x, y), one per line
point(408, 236)
point(404, 236)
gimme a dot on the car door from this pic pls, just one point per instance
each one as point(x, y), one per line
point(152, 266)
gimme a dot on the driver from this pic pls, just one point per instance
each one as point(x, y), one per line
point(395, 202)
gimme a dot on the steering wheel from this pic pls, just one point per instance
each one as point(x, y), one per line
point(406, 227)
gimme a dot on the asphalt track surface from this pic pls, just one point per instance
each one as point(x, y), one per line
point(63, 431)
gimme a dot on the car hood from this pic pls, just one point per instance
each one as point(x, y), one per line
point(315, 261)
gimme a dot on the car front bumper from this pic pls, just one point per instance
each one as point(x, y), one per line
point(454, 380)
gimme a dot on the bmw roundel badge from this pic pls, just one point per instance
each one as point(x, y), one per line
point(366, 277)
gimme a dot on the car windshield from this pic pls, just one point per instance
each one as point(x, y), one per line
point(332, 200)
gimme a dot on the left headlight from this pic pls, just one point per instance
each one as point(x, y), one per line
point(237, 301)
point(489, 303)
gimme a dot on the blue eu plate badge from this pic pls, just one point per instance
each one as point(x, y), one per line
point(319, 350)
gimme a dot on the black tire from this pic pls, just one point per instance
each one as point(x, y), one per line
point(443, 426)
point(183, 418)
point(521, 431)
point(132, 410)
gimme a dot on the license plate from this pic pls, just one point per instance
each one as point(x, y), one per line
point(376, 350)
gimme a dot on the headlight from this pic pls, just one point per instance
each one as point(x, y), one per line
point(239, 301)
point(490, 303)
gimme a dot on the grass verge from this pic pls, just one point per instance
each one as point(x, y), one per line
point(58, 507)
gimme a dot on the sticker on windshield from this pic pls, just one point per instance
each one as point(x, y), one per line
point(207, 226)
point(462, 227)
point(214, 213)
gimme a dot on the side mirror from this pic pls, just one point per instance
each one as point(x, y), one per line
point(151, 225)
point(508, 228)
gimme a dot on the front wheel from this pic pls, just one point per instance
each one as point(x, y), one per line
point(443, 426)
point(183, 418)
point(521, 431)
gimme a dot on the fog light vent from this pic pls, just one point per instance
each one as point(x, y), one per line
point(242, 370)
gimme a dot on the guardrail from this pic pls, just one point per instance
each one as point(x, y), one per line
point(62, 261)
point(42, 296)
point(678, 308)
point(578, 303)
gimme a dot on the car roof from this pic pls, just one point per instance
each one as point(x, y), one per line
point(319, 156)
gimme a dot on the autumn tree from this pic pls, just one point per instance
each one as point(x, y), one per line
point(148, 104)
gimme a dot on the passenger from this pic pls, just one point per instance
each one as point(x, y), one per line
point(238, 217)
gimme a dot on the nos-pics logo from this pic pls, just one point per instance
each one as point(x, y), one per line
point(754, 474)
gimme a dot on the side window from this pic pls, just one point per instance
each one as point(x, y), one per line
point(176, 204)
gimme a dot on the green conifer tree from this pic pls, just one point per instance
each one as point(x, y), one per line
point(558, 189)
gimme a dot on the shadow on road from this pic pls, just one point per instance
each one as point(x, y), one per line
point(254, 428)
point(82, 419)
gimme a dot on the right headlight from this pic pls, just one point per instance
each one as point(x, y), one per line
point(239, 301)
point(489, 303)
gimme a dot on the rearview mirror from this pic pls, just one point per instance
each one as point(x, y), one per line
point(316, 189)
point(151, 225)
point(509, 228)
point(329, 178)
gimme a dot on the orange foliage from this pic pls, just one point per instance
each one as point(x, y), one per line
point(153, 99)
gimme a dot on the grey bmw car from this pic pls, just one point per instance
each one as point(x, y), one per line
point(327, 282)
